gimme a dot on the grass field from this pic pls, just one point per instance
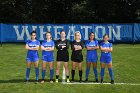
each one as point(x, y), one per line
point(126, 66)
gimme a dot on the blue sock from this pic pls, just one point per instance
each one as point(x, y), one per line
point(87, 72)
point(27, 73)
point(51, 73)
point(111, 73)
point(43, 74)
point(95, 73)
point(102, 73)
point(37, 72)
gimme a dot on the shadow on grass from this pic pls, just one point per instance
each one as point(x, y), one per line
point(20, 81)
point(33, 80)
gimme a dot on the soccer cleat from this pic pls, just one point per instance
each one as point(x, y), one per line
point(72, 80)
point(68, 81)
point(56, 80)
point(80, 81)
point(86, 80)
point(112, 82)
point(101, 80)
point(26, 81)
point(97, 81)
point(51, 81)
point(42, 81)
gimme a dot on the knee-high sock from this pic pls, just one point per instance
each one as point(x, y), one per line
point(73, 74)
point(102, 73)
point(51, 73)
point(27, 73)
point(80, 74)
point(37, 73)
point(43, 74)
point(87, 72)
point(95, 73)
point(111, 73)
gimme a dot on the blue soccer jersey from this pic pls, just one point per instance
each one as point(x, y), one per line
point(106, 56)
point(91, 55)
point(32, 55)
point(48, 56)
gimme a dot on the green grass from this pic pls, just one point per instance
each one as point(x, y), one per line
point(126, 66)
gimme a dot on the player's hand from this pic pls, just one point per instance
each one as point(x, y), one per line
point(63, 46)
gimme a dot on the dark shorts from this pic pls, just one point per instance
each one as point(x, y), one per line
point(62, 56)
point(77, 58)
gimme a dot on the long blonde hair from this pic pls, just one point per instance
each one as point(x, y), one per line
point(76, 33)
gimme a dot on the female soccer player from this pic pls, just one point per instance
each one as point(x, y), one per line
point(106, 58)
point(91, 56)
point(62, 46)
point(47, 48)
point(32, 55)
point(77, 57)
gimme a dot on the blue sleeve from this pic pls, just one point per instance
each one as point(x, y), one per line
point(53, 43)
point(97, 43)
point(101, 44)
point(27, 42)
point(38, 43)
point(42, 43)
point(110, 45)
point(86, 44)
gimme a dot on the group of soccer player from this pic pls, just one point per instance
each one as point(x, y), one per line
point(62, 46)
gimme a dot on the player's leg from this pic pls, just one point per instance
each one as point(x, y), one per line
point(80, 71)
point(51, 71)
point(36, 70)
point(73, 70)
point(102, 71)
point(109, 65)
point(87, 70)
point(43, 71)
point(28, 70)
point(95, 70)
point(67, 70)
point(58, 70)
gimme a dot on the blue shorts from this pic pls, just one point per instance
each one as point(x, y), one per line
point(47, 58)
point(32, 59)
point(105, 59)
point(92, 59)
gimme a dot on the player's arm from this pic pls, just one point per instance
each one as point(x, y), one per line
point(28, 48)
point(109, 49)
point(102, 49)
point(72, 46)
point(50, 48)
point(81, 46)
point(36, 48)
point(43, 48)
point(92, 48)
point(67, 45)
point(58, 47)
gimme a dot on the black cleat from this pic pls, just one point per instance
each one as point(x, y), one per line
point(101, 80)
point(86, 80)
point(112, 82)
point(26, 81)
point(72, 81)
point(97, 81)
point(80, 81)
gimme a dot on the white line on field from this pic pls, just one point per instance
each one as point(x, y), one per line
point(76, 83)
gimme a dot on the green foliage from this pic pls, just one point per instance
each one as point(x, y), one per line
point(69, 11)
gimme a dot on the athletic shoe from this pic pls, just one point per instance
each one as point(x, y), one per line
point(112, 82)
point(56, 80)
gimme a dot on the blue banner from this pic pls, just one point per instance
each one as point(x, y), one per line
point(116, 32)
